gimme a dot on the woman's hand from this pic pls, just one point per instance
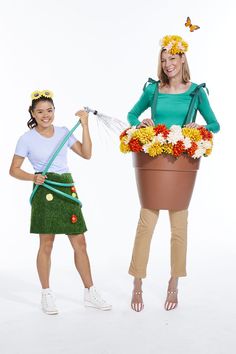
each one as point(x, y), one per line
point(192, 125)
point(83, 149)
point(146, 123)
point(39, 179)
point(83, 115)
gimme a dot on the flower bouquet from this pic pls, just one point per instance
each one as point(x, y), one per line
point(175, 141)
point(167, 166)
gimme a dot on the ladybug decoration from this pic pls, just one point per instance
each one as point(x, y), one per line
point(73, 219)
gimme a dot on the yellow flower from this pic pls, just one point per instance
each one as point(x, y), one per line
point(124, 146)
point(144, 135)
point(208, 152)
point(174, 44)
point(167, 149)
point(49, 197)
point(192, 133)
point(155, 149)
point(47, 94)
point(35, 95)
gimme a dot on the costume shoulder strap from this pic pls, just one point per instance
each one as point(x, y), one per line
point(150, 81)
point(154, 102)
point(197, 89)
point(192, 112)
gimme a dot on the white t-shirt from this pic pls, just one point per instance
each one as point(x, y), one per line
point(40, 149)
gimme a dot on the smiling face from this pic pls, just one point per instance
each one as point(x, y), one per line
point(172, 64)
point(43, 113)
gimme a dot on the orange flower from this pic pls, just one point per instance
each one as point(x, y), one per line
point(123, 133)
point(135, 145)
point(161, 128)
point(178, 148)
point(206, 134)
point(193, 148)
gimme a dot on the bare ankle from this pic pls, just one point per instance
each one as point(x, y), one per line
point(173, 282)
point(137, 283)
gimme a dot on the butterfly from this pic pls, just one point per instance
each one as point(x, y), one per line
point(189, 24)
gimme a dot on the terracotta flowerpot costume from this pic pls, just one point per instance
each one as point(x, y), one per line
point(166, 182)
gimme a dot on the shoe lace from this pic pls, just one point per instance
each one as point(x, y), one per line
point(97, 297)
point(48, 300)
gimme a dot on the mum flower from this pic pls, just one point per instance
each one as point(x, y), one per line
point(193, 133)
point(175, 141)
point(175, 134)
point(154, 149)
point(124, 145)
point(144, 134)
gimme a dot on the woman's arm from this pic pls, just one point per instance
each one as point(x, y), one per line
point(17, 172)
point(208, 114)
point(143, 103)
point(83, 149)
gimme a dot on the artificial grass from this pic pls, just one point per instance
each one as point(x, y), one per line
point(55, 216)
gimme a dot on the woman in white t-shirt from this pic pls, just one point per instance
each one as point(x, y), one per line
point(55, 205)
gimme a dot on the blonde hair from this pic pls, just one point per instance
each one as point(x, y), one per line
point(164, 78)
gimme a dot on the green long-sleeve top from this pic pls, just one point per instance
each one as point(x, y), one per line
point(172, 108)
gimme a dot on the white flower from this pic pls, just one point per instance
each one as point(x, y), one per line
point(131, 130)
point(187, 143)
point(199, 153)
point(130, 133)
point(160, 138)
point(180, 46)
point(205, 144)
point(175, 134)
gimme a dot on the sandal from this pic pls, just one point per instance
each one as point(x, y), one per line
point(137, 301)
point(171, 300)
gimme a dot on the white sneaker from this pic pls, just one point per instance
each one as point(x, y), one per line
point(48, 303)
point(93, 299)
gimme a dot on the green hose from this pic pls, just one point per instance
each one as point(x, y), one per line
point(46, 182)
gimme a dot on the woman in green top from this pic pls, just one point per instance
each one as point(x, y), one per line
point(175, 92)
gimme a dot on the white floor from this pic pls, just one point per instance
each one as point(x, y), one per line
point(204, 322)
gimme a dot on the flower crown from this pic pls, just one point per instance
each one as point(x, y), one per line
point(38, 94)
point(174, 44)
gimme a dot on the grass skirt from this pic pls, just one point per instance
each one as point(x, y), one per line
point(52, 213)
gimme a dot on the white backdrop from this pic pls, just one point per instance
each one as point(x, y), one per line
point(100, 53)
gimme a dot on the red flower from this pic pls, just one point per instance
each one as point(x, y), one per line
point(124, 133)
point(192, 149)
point(73, 219)
point(161, 128)
point(73, 190)
point(178, 148)
point(206, 134)
point(134, 145)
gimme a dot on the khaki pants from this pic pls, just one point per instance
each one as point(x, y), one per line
point(146, 225)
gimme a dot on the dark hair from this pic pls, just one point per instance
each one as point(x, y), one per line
point(32, 122)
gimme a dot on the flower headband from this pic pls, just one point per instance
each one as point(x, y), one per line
point(38, 94)
point(174, 44)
